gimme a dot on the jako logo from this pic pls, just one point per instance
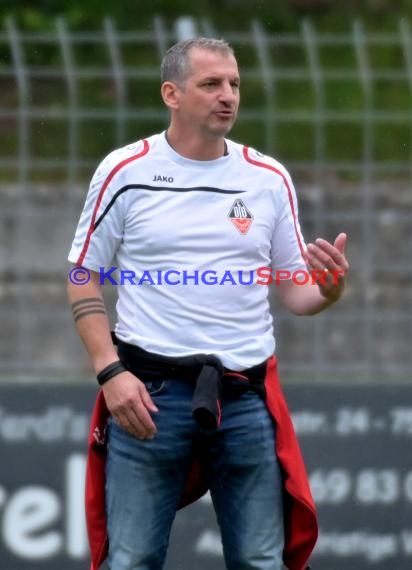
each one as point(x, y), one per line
point(160, 178)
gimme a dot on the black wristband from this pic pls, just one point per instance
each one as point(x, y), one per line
point(111, 370)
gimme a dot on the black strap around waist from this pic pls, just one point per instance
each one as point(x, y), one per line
point(206, 371)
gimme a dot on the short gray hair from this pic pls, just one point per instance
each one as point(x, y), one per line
point(175, 65)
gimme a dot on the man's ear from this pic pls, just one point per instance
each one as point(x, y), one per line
point(170, 94)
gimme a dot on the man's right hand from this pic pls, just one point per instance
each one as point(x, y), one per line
point(130, 405)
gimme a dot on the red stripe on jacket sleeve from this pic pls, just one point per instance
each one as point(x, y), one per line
point(290, 195)
point(106, 183)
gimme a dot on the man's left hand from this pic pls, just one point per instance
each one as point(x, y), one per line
point(328, 265)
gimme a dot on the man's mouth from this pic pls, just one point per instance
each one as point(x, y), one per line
point(224, 113)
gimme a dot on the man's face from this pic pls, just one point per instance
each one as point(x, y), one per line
point(209, 97)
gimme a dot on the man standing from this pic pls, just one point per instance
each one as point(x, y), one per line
point(188, 217)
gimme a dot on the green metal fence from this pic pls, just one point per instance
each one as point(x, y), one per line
point(335, 108)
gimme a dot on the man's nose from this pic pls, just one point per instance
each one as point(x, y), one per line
point(228, 93)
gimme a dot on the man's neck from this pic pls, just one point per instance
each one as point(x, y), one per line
point(196, 149)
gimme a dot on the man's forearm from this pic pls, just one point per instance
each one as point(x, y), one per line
point(304, 299)
point(90, 318)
